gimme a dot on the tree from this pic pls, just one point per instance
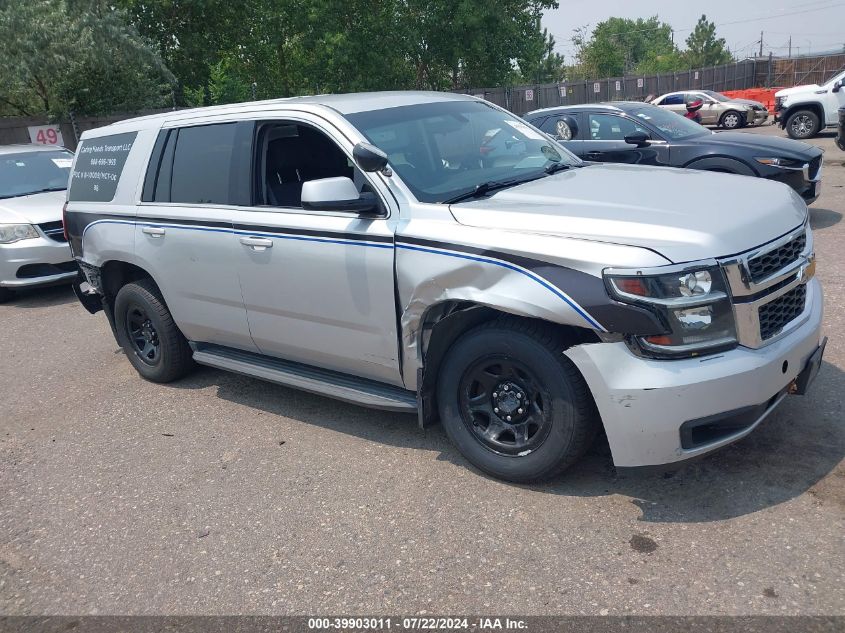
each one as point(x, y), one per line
point(539, 62)
point(80, 55)
point(618, 46)
point(704, 48)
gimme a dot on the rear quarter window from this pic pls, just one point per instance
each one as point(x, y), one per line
point(99, 165)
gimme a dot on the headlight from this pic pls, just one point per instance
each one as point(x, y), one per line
point(10, 233)
point(692, 303)
point(779, 162)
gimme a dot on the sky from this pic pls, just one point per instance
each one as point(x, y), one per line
point(815, 25)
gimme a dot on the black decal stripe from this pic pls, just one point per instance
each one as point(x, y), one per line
point(586, 290)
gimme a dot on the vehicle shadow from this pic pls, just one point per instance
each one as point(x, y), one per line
point(798, 449)
point(824, 218)
point(41, 297)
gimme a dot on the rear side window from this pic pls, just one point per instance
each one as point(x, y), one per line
point(202, 164)
point(673, 100)
point(99, 165)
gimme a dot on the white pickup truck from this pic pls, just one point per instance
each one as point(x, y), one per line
point(804, 111)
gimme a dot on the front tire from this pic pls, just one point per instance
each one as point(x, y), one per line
point(731, 120)
point(513, 404)
point(802, 124)
point(148, 335)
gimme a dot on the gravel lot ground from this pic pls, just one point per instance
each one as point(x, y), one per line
point(222, 494)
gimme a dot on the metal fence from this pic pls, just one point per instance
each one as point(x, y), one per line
point(750, 73)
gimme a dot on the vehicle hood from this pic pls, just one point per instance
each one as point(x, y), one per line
point(797, 90)
point(750, 102)
point(771, 146)
point(34, 209)
point(683, 214)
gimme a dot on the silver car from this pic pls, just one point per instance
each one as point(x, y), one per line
point(717, 110)
point(434, 254)
point(33, 248)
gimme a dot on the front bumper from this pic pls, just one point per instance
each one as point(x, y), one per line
point(39, 261)
point(759, 117)
point(645, 404)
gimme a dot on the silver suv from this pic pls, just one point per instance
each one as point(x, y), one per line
point(433, 253)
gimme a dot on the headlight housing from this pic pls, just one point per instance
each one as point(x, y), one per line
point(692, 302)
point(10, 233)
point(776, 161)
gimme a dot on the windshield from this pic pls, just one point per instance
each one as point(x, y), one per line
point(33, 172)
point(446, 149)
point(717, 96)
point(836, 78)
point(672, 125)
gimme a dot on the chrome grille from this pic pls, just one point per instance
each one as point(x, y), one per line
point(769, 263)
point(778, 313)
point(54, 230)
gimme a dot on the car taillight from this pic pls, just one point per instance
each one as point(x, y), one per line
point(64, 221)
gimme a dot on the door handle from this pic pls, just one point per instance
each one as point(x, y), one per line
point(153, 231)
point(257, 243)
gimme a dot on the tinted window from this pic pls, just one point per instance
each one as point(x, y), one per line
point(99, 164)
point(202, 164)
point(30, 172)
point(673, 100)
point(557, 127)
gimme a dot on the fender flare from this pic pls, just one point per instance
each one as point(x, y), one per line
point(817, 106)
point(722, 163)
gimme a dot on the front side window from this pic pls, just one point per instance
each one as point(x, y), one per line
point(671, 125)
point(290, 154)
point(26, 173)
point(717, 96)
point(445, 149)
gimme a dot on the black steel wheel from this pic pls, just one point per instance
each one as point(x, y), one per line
point(142, 335)
point(504, 405)
point(512, 403)
point(148, 335)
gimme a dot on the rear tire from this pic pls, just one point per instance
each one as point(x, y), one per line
point(514, 368)
point(5, 295)
point(802, 124)
point(731, 120)
point(148, 335)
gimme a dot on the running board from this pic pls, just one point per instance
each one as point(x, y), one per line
point(367, 393)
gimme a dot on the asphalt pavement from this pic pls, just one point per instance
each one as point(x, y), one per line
point(222, 494)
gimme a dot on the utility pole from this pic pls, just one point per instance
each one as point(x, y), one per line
point(761, 43)
point(790, 47)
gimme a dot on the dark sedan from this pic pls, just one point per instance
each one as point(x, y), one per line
point(640, 133)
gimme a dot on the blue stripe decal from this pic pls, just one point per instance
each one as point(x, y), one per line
point(509, 266)
point(578, 309)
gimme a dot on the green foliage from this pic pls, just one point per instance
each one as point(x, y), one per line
point(80, 55)
point(618, 46)
point(704, 48)
point(539, 62)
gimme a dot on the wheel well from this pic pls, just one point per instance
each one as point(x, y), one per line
point(116, 274)
point(444, 324)
point(722, 164)
point(816, 108)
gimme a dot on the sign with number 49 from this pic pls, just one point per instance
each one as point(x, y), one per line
point(46, 135)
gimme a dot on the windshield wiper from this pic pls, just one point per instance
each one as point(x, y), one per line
point(553, 168)
point(48, 189)
point(482, 189)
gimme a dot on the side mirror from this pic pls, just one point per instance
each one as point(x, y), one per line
point(369, 157)
point(838, 86)
point(337, 194)
point(640, 139)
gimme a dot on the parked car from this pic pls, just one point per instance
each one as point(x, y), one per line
point(33, 248)
point(804, 111)
point(365, 248)
point(840, 137)
point(718, 109)
point(639, 133)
